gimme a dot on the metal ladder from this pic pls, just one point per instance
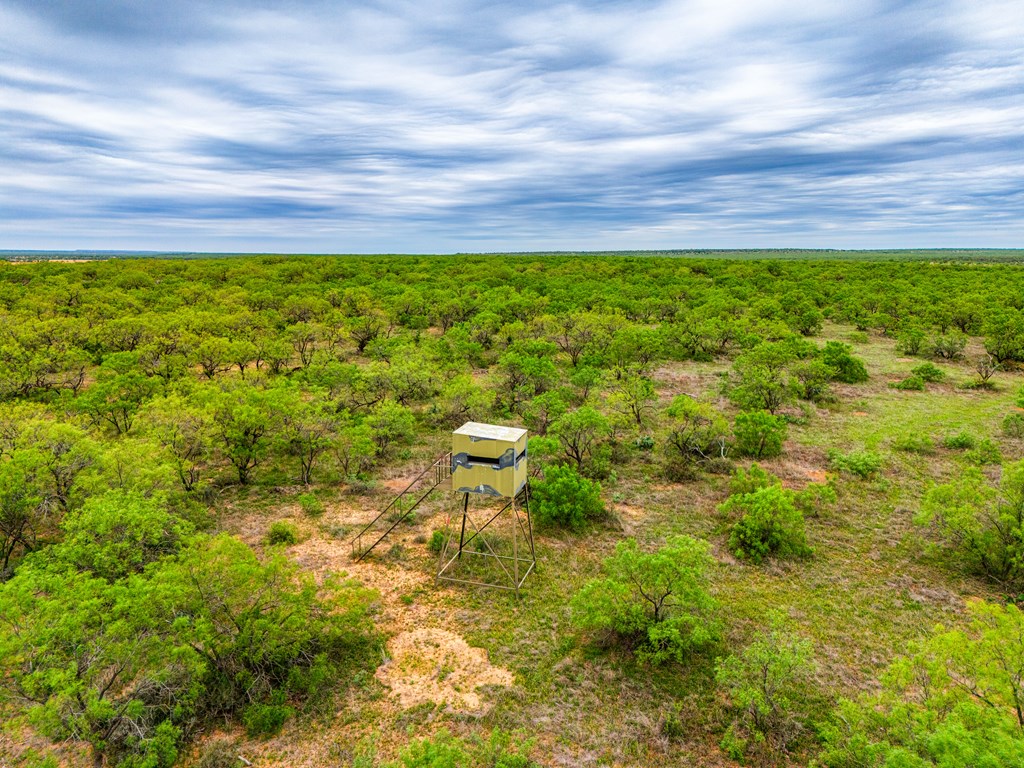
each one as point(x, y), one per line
point(401, 507)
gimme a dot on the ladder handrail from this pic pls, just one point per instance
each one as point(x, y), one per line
point(442, 469)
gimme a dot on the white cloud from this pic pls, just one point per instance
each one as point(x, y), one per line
point(405, 126)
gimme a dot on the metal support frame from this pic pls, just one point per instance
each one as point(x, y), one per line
point(401, 506)
point(514, 568)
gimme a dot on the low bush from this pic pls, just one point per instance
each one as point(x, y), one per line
point(863, 464)
point(696, 435)
point(759, 434)
point(718, 466)
point(812, 378)
point(848, 368)
point(961, 441)
point(929, 372)
point(436, 542)
point(218, 753)
point(911, 341)
point(200, 636)
point(985, 452)
point(311, 505)
point(265, 719)
point(953, 701)
point(565, 498)
point(768, 525)
point(949, 346)
point(985, 367)
point(1013, 425)
point(911, 383)
point(442, 750)
point(282, 533)
point(750, 480)
point(644, 443)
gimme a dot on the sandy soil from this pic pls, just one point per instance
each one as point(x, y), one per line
point(438, 666)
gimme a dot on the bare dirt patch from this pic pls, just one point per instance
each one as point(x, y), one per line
point(432, 665)
point(398, 484)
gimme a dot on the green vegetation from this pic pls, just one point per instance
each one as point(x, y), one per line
point(766, 682)
point(188, 445)
point(282, 532)
point(863, 464)
point(566, 498)
point(980, 523)
point(759, 434)
point(767, 524)
point(656, 604)
point(955, 701)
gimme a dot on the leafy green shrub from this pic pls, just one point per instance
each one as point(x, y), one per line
point(961, 441)
point(1020, 398)
point(311, 505)
point(911, 340)
point(929, 372)
point(582, 435)
point(718, 466)
point(657, 604)
point(390, 424)
point(848, 368)
point(565, 498)
point(863, 464)
point(949, 346)
point(265, 719)
point(980, 524)
point(952, 702)
point(282, 533)
point(276, 628)
point(762, 379)
point(812, 379)
point(914, 443)
point(1013, 425)
point(911, 383)
point(858, 337)
point(768, 525)
point(759, 434)
point(232, 630)
point(120, 533)
point(442, 750)
point(750, 480)
point(765, 683)
point(436, 542)
point(985, 452)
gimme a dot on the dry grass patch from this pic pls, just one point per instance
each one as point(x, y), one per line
point(433, 665)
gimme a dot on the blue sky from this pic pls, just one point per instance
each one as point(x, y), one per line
point(426, 126)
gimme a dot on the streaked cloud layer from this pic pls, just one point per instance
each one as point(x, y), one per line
point(439, 126)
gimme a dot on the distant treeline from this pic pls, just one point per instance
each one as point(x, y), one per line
point(1006, 255)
